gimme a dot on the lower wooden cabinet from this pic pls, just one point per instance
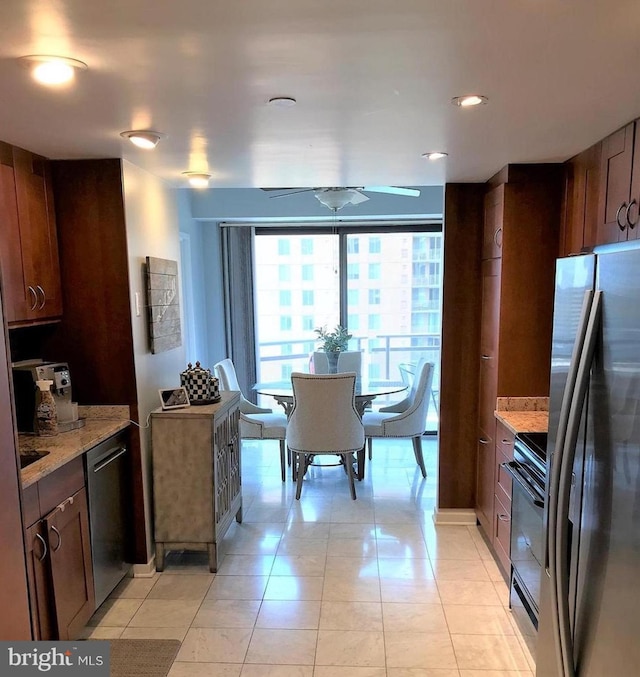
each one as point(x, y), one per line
point(197, 489)
point(58, 548)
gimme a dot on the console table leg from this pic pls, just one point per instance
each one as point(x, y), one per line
point(159, 556)
point(239, 515)
point(213, 557)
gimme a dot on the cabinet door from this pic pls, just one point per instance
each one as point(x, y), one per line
point(493, 223)
point(38, 235)
point(485, 481)
point(71, 568)
point(10, 248)
point(40, 596)
point(615, 185)
point(633, 213)
point(488, 369)
point(235, 465)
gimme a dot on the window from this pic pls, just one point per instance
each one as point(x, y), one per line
point(306, 246)
point(285, 297)
point(285, 323)
point(284, 248)
point(307, 272)
point(374, 271)
point(353, 296)
point(374, 322)
point(374, 297)
point(353, 323)
point(307, 297)
point(353, 271)
point(284, 273)
point(307, 323)
point(375, 246)
point(353, 245)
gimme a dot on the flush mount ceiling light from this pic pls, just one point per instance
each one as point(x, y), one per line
point(52, 71)
point(469, 100)
point(435, 155)
point(282, 101)
point(197, 179)
point(337, 198)
point(143, 138)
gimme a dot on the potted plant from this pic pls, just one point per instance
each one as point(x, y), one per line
point(333, 342)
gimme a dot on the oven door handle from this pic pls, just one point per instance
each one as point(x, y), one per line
point(512, 469)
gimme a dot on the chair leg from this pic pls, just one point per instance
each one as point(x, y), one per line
point(417, 450)
point(299, 460)
point(349, 466)
point(283, 471)
point(370, 445)
point(288, 456)
point(360, 456)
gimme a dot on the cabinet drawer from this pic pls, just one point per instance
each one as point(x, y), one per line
point(30, 505)
point(502, 541)
point(61, 484)
point(503, 479)
point(504, 440)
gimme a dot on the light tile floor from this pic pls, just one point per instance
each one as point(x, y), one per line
point(329, 587)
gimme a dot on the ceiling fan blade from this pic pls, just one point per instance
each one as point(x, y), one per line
point(357, 197)
point(293, 192)
point(393, 190)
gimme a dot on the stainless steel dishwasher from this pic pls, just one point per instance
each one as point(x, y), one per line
point(106, 469)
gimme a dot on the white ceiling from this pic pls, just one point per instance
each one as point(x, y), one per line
point(373, 80)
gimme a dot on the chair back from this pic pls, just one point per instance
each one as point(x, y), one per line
point(411, 421)
point(228, 380)
point(348, 360)
point(407, 372)
point(324, 416)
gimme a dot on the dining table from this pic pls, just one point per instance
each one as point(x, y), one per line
point(366, 392)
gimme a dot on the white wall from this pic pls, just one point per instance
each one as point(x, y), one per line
point(151, 215)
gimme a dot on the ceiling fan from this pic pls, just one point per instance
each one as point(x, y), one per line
point(337, 198)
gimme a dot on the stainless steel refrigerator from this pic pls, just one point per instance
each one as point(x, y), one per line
point(590, 589)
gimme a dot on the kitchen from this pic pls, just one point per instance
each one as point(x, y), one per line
point(134, 383)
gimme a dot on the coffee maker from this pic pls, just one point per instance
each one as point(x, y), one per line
point(25, 375)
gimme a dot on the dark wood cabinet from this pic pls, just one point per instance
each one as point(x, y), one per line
point(618, 211)
point(579, 228)
point(502, 496)
point(523, 204)
point(28, 238)
point(58, 547)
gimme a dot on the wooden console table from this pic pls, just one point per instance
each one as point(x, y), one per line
point(197, 488)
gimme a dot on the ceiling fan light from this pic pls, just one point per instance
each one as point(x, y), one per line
point(435, 155)
point(52, 71)
point(143, 138)
point(282, 101)
point(469, 100)
point(334, 198)
point(198, 179)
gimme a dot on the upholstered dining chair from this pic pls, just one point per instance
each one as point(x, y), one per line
point(324, 421)
point(406, 418)
point(256, 423)
point(348, 360)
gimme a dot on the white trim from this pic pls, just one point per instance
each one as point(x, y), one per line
point(454, 516)
point(186, 280)
point(144, 570)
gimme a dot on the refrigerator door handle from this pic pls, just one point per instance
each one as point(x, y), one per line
point(561, 562)
point(554, 480)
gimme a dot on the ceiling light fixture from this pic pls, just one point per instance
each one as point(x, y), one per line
point(143, 138)
point(282, 101)
point(197, 179)
point(469, 100)
point(52, 71)
point(337, 198)
point(435, 155)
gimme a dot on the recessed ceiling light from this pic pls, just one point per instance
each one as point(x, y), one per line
point(52, 71)
point(197, 179)
point(469, 100)
point(143, 138)
point(282, 101)
point(435, 155)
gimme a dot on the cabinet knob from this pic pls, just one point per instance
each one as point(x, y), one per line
point(497, 237)
point(44, 548)
point(504, 518)
point(44, 297)
point(632, 222)
point(53, 528)
point(506, 441)
point(35, 297)
point(485, 357)
point(484, 440)
point(622, 225)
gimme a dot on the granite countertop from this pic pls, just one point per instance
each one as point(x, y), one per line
point(523, 414)
point(101, 423)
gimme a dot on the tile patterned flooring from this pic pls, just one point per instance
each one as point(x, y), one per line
point(329, 587)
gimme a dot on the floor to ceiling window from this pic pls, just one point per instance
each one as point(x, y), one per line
point(382, 283)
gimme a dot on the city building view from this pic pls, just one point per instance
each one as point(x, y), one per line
point(384, 287)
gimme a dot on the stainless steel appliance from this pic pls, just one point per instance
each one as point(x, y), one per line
point(105, 467)
point(25, 375)
point(590, 598)
point(527, 470)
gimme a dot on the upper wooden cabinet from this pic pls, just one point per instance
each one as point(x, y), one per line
point(579, 228)
point(618, 210)
point(493, 223)
point(28, 240)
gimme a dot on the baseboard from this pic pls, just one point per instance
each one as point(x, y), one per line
point(453, 516)
point(144, 570)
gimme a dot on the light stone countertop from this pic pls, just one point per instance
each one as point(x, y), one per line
point(64, 447)
point(524, 421)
